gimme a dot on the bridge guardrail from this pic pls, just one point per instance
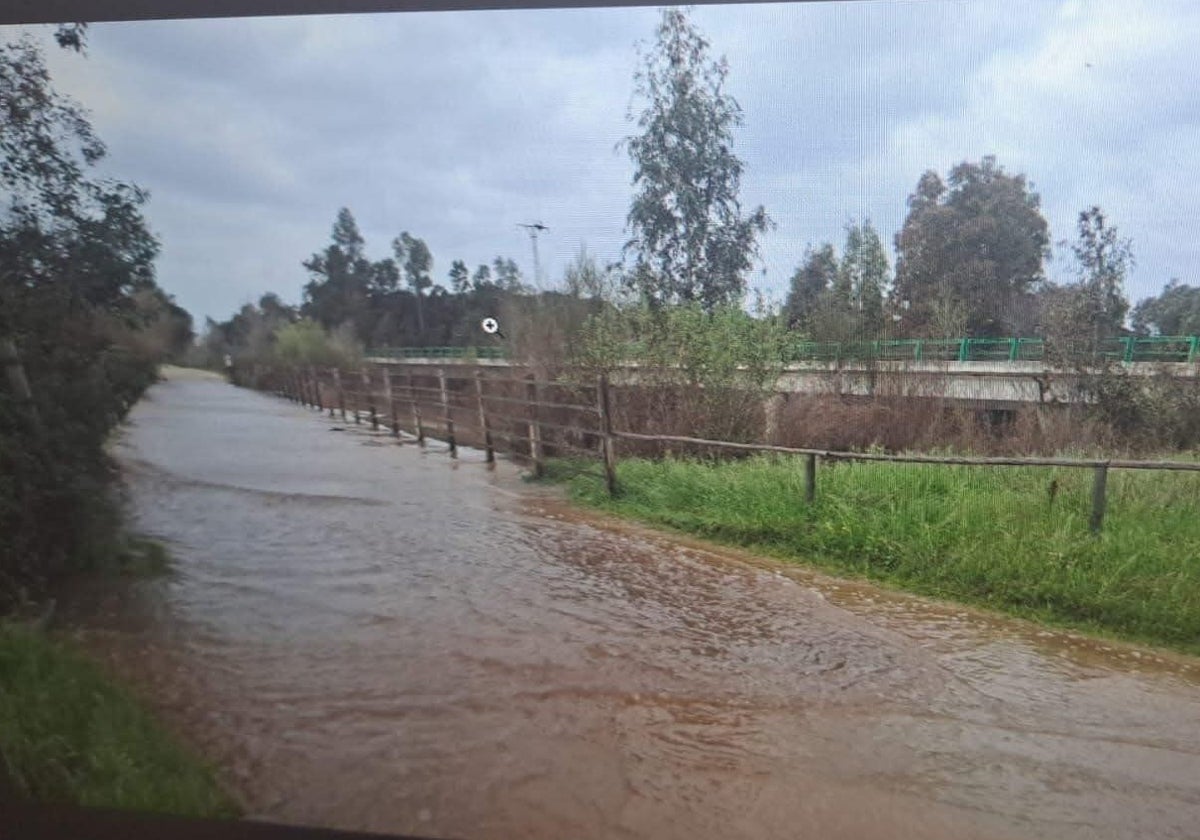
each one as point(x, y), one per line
point(1171, 349)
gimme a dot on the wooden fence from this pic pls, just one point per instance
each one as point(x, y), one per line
point(536, 419)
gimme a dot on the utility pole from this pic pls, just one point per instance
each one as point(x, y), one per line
point(534, 228)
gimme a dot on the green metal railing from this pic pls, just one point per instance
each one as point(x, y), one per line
point(1127, 349)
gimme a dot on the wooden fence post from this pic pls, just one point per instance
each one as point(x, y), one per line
point(341, 392)
point(391, 400)
point(366, 378)
point(331, 404)
point(483, 420)
point(310, 398)
point(535, 428)
point(606, 438)
point(1099, 496)
point(416, 408)
point(810, 478)
point(315, 380)
point(446, 413)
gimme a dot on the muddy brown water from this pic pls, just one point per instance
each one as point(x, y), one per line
point(366, 635)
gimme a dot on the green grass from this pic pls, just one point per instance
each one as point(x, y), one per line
point(142, 557)
point(69, 735)
point(984, 535)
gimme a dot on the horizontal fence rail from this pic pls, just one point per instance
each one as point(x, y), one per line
point(538, 419)
point(438, 353)
point(1165, 349)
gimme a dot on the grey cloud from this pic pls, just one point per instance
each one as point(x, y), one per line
point(457, 126)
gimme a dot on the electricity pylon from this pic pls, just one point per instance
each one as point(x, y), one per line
point(534, 228)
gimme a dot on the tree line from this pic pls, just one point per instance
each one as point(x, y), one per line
point(969, 259)
point(83, 323)
point(360, 302)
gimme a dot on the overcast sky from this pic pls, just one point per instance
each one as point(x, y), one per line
point(457, 126)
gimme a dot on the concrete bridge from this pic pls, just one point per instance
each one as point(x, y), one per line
point(985, 384)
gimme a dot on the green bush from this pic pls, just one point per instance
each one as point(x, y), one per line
point(306, 343)
point(700, 373)
point(69, 735)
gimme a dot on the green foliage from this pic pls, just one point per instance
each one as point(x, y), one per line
point(816, 274)
point(508, 276)
point(248, 337)
point(690, 239)
point(708, 370)
point(142, 557)
point(460, 278)
point(834, 300)
point(978, 241)
point(413, 255)
point(586, 278)
point(1176, 311)
point(341, 277)
point(1144, 412)
point(726, 347)
point(948, 315)
point(1078, 317)
point(389, 302)
point(306, 343)
point(992, 536)
point(69, 735)
point(79, 303)
point(863, 278)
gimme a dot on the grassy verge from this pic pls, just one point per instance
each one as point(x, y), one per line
point(1014, 539)
point(68, 735)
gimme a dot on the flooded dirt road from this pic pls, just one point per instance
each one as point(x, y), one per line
point(368, 636)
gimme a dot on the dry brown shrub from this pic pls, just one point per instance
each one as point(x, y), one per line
point(895, 419)
point(897, 424)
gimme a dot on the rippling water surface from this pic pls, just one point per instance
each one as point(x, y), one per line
point(366, 635)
